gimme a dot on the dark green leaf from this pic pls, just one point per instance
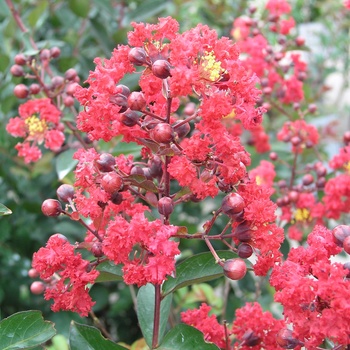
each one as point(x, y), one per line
point(4, 210)
point(109, 272)
point(184, 337)
point(38, 16)
point(65, 163)
point(196, 269)
point(24, 330)
point(145, 312)
point(89, 338)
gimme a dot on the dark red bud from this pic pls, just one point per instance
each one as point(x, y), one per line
point(137, 56)
point(300, 41)
point(308, 179)
point(34, 89)
point(136, 170)
point(245, 250)
point(273, 156)
point(136, 101)
point(293, 196)
point(346, 137)
point(235, 269)
point(286, 340)
point(45, 54)
point(55, 52)
point(68, 101)
point(70, 88)
point(162, 133)
point(156, 167)
point(130, 118)
point(312, 108)
point(21, 91)
point(250, 338)
point(165, 206)
point(243, 233)
point(96, 249)
point(51, 207)
point(181, 130)
point(232, 205)
point(106, 162)
point(65, 192)
point(346, 244)
point(17, 70)
point(340, 232)
point(20, 59)
point(70, 74)
point(111, 182)
point(161, 69)
point(57, 82)
point(116, 198)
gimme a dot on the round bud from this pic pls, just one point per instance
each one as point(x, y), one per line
point(190, 109)
point(34, 89)
point(340, 232)
point(312, 108)
point(149, 122)
point(136, 101)
point(293, 196)
point(156, 167)
point(37, 287)
point(346, 244)
point(57, 82)
point(267, 90)
point(55, 52)
point(165, 206)
point(70, 88)
point(68, 101)
point(136, 170)
point(243, 233)
point(308, 179)
point(232, 205)
point(273, 156)
point(235, 269)
point(96, 249)
point(346, 137)
point(51, 207)
point(321, 182)
point(111, 182)
point(282, 184)
point(106, 162)
point(60, 236)
point(250, 338)
point(321, 170)
point(33, 273)
point(116, 198)
point(245, 250)
point(300, 41)
point(162, 133)
point(295, 140)
point(65, 192)
point(161, 69)
point(20, 59)
point(21, 91)
point(296, 106)
point(17, 70)
point(70, 74)
point(44, 55)
point(137, 56)
point(286, 340)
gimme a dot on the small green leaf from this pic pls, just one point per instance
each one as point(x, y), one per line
point(39, 14)
point(109, 272)
point(196, 269)
point(89, 338)
point(80, 8)
point(145, 312)
point(65, 163)
point(184, 337)
point(25, 330)
point(4, 210)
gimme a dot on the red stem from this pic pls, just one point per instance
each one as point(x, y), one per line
point(156, 321)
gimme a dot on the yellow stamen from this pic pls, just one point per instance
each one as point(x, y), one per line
point(258, 180)
point(35, 125)
point(347, 166)
point(302, 214)
point(211, 68)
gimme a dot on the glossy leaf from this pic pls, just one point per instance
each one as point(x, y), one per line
point(184, 337)
point(65, 163)
point(80, 7)
point(25, 330)
point(4, 210)
point(89, 338)
point(196, 269)
point(109, 272)
point(145, 312)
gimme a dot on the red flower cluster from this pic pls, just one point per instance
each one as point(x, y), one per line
point(38, 122)
point(67, 275)
point(311, 287)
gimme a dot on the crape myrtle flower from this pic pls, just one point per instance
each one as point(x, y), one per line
point(311, 287)
point(38, 122)
point(69, 274)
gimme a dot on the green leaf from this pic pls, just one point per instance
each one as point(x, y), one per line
point(184, 337)
point(38, 16)
point(4, 210)
point(89, 338)
point(109, 272)
point(80, 8)
point(196, 269)
point(145, 312)
point(65, 163)
point(25, 330)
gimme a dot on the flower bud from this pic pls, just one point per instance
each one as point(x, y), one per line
point(346, 244)
point(20, 59)
point(250, 338)
point(116, 198)
point(111, 182)
point(340, 232)
point(137, 56)
point(243, 232)
point(37, 287)
point(165, 206)
point(156, 167)
point(129, 118)
point(286, 340)
point(17, 70)
point(68, 101)
point(136, 101)
point(55, 52)
point(162, 133)
point(33, 273)
point(65, 192)
point(45, 55)
point(181, 130)
point(34, 89)
point(21, 91)
point(96, 249)
point(57, 82)
point(245, 250)
point(232, 205)
point(308, 179)
point(106, 162)
point(235, 269)
point(70, 74)
point(51, 207)
point(161, 69)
